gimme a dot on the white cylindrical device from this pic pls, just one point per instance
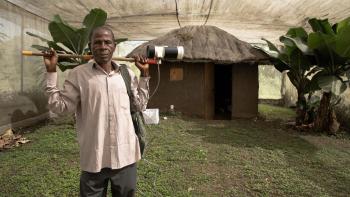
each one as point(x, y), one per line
point(165, 52)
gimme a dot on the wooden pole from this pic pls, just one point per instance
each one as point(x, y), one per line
point(85, 57)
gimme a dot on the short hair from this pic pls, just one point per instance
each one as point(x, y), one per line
point(104, 27)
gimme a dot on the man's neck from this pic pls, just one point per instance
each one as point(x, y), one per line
point(107, 67)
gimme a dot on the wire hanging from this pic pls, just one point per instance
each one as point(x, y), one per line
point(177, 14)
point(210, 6)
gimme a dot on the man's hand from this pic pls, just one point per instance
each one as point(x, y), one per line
point(50, 60)
point(141, 64)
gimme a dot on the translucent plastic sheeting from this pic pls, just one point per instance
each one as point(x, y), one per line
point(248, 20)
point(21, 78)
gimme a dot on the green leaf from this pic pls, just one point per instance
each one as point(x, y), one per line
point(82, 39)
point(280, 66)
point(67, 65)
point(312, 85)
point(76, 39)
point(96, 17)
point(342, 42)
point(299, 62)
point(322, 26)
point(297, 32)
point(286, 42)
point(327, 83)
point(69, 39)
point(313, 71)
point(37, 36)
point(298, 42)
point(269, 52)
point(40, 48)
point(294, 79)
point(271, 46)
point(343, 24)
point(56, 47)
point(64, 33)
point(285, 57)
point(323, 47)
point(58, 19)
point(272, 54)
point(320, 41)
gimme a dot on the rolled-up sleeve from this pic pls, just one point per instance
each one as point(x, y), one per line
point(65, 100)
point(140, 90)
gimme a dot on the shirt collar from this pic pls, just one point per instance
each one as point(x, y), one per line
point(115, 66)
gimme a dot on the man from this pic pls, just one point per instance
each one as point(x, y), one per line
point(96, 92)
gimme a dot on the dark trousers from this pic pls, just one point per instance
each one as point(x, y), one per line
point(123, 182)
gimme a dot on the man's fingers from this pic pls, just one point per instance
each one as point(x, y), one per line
point(53, 52)
point(136, 58)
point(50, 52)
point(143, 60)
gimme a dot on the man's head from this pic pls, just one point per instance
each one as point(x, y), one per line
point(102, 44)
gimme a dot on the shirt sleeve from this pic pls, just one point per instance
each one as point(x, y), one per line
point(140, 91)
point(62, 101)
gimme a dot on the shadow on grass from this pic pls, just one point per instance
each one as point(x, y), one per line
point(301, 156)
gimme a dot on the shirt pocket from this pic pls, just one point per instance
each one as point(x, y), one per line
point(124, 101)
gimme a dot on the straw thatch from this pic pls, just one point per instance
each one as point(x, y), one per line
point(206, 44)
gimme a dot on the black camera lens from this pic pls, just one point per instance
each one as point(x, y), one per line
point(151, 52)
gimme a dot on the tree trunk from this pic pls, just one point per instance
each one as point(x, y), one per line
point(301, 109)
point(322, 119)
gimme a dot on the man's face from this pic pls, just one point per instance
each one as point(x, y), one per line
point(102, 46)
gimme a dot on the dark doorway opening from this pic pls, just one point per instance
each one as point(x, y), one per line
point(223, 92)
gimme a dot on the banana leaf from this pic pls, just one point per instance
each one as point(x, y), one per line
point(76, 39)
point(40, 48)
point(299, 61)
point(298, 42)
point(37, 36)
point(298, 32)
point(69, 39)
point(67, 65)
point(322, 26)
point(342, 42)
point(95, 18)
point(342, 24)
point(65, 34)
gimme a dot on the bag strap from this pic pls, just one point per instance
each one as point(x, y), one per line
point(127, 79)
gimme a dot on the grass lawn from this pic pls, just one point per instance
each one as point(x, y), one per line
point(192, 157)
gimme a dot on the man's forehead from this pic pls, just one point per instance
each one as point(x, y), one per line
point(99, 33)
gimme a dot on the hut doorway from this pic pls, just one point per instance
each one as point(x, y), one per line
point(223, 91)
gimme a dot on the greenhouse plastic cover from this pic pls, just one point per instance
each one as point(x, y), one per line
point(248, 20)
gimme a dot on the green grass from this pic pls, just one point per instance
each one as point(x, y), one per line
point(192, 157)
point(276, 112)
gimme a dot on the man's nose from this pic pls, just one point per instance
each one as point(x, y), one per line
point(103, 44)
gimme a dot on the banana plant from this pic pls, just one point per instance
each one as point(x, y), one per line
point(331, 47)
point(71, 40)
point(327, 49)
point(295, 58)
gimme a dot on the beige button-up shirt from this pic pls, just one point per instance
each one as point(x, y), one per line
point(100, 101)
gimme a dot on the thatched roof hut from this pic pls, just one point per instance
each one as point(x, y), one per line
point(207, 44)
point(217, 78)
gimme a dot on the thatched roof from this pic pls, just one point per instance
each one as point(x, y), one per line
point(206, 44)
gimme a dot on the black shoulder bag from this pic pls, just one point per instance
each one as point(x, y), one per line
point(136, 116)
